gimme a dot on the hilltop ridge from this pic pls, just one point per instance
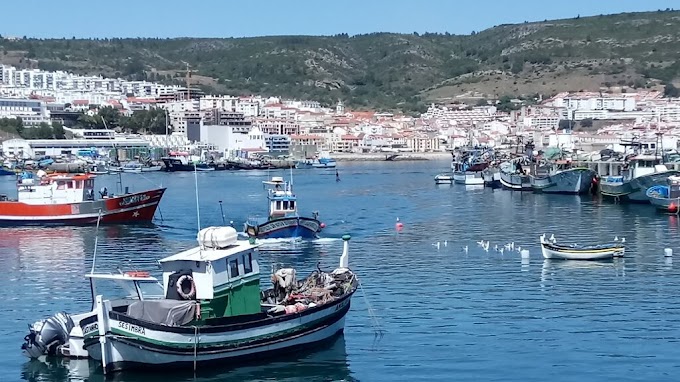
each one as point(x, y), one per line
point(387, 70)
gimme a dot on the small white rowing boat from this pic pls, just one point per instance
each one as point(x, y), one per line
point(443, 179)
point(552, 250)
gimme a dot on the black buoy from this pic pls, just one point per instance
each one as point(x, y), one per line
point(337, 176)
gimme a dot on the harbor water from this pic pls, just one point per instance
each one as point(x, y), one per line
point(439, 312)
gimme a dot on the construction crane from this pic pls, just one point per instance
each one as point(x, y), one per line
point(188, 79)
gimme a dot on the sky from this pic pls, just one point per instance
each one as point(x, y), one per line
point(245, 18)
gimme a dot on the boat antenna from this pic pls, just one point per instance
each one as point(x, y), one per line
point(222, 212)
point(96, 241)
point(291, 178)
point(198, 210)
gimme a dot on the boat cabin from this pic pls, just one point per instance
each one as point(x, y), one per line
point(636, 167)
point(282, 201)
point(55, 188)
point(222, 274)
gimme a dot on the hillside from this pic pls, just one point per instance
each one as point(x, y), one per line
point(385, 70)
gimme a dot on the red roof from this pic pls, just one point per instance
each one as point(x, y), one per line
point(300, 137)
point(349, 138)
point(80, 102)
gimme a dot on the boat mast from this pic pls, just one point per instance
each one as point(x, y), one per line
point(198, 210)
point(119, 184)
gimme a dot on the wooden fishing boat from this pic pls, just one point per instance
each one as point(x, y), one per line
point(283, 221)
point(560, 177)
point(70, 199)
point(214, 311)
point(551, 250)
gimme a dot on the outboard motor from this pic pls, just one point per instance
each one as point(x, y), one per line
point(46, 336)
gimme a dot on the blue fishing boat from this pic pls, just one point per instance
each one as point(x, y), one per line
point(283, 221)
point(666, 198)
point(316, 163)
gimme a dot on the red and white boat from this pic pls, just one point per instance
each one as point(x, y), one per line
point(70, 199)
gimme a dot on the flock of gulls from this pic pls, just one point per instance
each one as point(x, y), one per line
point(507, 247)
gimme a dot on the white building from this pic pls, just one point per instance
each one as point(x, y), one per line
point(35, 148)
point(596, 103)
point(223, 103)
point(32, 112)
point(231, 141)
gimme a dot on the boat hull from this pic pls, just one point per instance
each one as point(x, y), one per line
point(635, 190)
point(4, 172)
point(515, 182)
point(136, 343)
point(177, 165)
point(558, 252)
point(492, 178)
point(468, 177)
point(125, 209)
point(285, 228)
point(573, 181)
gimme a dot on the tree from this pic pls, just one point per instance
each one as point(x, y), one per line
point(58, 130)
point(564, 124)
point(482, 102)
point(670, 91)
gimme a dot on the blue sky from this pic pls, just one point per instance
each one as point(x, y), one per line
point(231, 18)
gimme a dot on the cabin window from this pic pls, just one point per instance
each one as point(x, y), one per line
point(80, 185)
point(61, 185)
point(233, 268)
point(285, 204)
point(247, 263)
point(292, 204)
point(71, 185)
point(89, 183)
point(278, 204)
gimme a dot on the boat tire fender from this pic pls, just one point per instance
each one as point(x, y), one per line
point(186, 288)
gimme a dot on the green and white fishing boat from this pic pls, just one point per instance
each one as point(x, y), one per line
point(214, 310)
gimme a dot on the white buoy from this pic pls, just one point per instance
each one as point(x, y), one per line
point(525, 253)
point(668, 252)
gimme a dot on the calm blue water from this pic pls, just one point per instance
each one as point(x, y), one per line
point(447, 314)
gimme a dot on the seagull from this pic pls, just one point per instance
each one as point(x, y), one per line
point(519, 249)
point(486, 247)
point(512, 245)
point(552, 238)
point(436, 245)
point(481, 243)
point(495, 247)
point(465, 249)
point(507, 246)
point(501, 251)
point(623, 239)
point(616, 238)
point(446, 243)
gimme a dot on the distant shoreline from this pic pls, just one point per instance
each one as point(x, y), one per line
point(376, 157)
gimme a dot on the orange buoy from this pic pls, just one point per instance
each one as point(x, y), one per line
point(672, 207)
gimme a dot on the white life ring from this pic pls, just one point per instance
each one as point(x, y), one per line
point(192, 292)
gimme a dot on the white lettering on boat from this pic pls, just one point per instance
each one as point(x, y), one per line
point(131, 328)
point(126, 201)
point(310, 225)
point(90, 328)
point(272, 226)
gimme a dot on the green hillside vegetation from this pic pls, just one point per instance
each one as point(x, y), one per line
point(387, 71)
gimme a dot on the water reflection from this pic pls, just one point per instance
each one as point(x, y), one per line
point(325, 362)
